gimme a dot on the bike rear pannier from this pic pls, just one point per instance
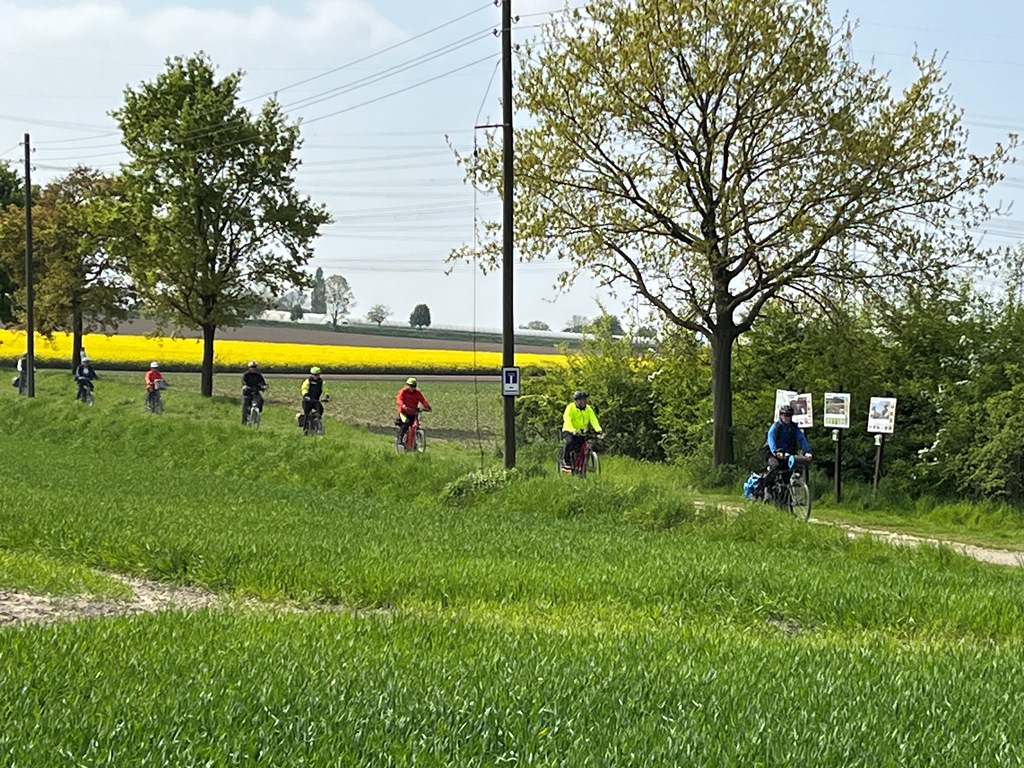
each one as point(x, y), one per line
point(300, 419)
point(752, 487)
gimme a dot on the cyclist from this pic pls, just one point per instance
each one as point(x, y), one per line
point(312, 391)
point(577, 418)
point(784, 438)
point(253, 384)
point(410, 400)
point(21, 381)
point(153, 379)
point(85, 374)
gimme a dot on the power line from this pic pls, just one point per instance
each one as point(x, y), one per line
point(372, 55)
point(362, 82)
point(401, 90)
point(389, 72)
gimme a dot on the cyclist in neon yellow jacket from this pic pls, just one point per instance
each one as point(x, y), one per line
point(576, 420)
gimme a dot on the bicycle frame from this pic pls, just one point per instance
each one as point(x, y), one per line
point(410, 433)
point(579, 459)
point(415, 430)
point(788, 489)
point(583, 460)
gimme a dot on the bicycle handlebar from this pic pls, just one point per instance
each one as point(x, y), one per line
point(798, 462)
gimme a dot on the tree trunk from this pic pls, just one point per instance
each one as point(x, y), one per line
point(76, 340)
point(721, 396)
point(206, 385)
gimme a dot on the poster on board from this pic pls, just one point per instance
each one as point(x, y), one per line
point(802, 404)
point(882, 415)
point(837, 410)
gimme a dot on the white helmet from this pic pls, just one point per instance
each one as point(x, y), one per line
point(154, 364)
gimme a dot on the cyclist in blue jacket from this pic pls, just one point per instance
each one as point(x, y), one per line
point(784, 438)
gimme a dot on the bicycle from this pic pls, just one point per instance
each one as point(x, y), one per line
point(415, 436)
point(583, 461)
point(85, 393)
point(313, 423)
point(789, 490)
point(252, 416)
point(154, 401)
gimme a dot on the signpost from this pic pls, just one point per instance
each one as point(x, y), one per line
point(837, 416)
point(881, 422)
point(510, 381)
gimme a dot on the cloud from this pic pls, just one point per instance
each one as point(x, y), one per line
point(345, 25)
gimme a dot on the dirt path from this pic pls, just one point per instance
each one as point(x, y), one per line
point(986, 555)
point(147, 597)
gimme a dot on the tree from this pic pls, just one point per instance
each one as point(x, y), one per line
point(318, 297)
point(12, 188)
point(12, 194)
point(536, 325)
point(296, 312)
point(378, 314)
point(79, 285)
point(576, 324)
point(605, 321)
point(210, 191)
point(288, 299)
point(420, 316)
point(713, 156)
point(339, 298)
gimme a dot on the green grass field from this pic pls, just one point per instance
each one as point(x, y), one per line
point(432, 610)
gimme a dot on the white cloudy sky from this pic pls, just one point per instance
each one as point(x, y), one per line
point(375, 128)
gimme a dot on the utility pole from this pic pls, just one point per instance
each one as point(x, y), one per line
point(508, 346)
point(30, 325)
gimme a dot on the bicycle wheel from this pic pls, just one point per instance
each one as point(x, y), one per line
point(800, 498)
point(592, 465)
point(420, 441)
point(89, 398)
point(254, 417)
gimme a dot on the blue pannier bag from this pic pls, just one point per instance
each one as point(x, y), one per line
point(752, 486)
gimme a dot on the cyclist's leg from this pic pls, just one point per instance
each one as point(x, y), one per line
point(572, 445)
point(403, 428)
point(246, 405)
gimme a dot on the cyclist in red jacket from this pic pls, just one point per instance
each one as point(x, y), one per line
point(154, 381)
point(410, 401)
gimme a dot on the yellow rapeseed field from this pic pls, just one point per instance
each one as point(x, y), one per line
point(131, 352)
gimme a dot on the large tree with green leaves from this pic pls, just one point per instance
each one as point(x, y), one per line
point(318, 295)
point(12, 195)
point(79, 285)
point(713, 156)
point(211, 196)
